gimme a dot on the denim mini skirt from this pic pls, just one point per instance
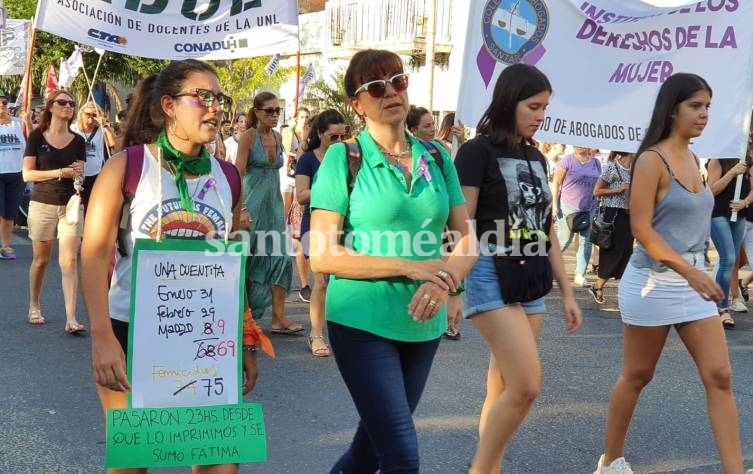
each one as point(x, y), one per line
point(482, 291)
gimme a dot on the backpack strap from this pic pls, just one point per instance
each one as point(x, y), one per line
point(353, 149)
point(434, 152)
point(233, 179)
point(133, 168)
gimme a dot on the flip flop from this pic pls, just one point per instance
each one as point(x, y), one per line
point(287, 330)
point(74, 328)
point(35, 317)
point(452, 334)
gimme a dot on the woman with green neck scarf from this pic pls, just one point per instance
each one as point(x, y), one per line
point(173, 116)
point(269, 270)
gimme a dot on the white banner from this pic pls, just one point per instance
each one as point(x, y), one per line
point(176, 29)
point(606, 61)
point(13, 41)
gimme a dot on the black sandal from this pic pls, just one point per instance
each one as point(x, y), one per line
point(727, 321)
point(598, 294)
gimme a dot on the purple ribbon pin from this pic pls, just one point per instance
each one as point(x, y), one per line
point(423, 169)
point(207, 186)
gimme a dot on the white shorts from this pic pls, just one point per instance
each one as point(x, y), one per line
point(660, 298)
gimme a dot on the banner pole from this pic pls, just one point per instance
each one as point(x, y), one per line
point(94, 78)
point(297, 80)
point(26, 102)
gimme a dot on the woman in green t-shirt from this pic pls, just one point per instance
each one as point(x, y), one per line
point(391, 197)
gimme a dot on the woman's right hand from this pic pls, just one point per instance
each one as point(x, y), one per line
point(429, 271)
point(705, 285)
point(738, 169)
point(109, 364)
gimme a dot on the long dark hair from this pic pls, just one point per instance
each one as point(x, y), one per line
point(145, 115)
point(46, 118)
point(678, 88)
point(321, 124)
point(259, 101)
point(516, 83)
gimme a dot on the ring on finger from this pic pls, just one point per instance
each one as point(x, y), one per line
point(426, 297)
point(442, 274)
point(432, 303)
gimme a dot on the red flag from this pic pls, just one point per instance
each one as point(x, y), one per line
point(52, 81)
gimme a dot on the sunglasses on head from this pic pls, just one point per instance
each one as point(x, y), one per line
point(378, 88)
point(207, 98)
point(63, 102)
point(272, 110)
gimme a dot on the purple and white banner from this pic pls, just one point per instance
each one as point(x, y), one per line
point(606, 61)
point(175, 29)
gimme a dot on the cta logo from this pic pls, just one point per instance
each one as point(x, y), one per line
point(107, 37)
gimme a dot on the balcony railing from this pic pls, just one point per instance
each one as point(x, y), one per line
point(400, 25)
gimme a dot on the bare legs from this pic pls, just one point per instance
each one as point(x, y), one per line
point(513, 381)
point(279, 319)
point(6, 231)
point(707, 345)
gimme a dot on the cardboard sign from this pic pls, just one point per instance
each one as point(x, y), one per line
point(185, 361)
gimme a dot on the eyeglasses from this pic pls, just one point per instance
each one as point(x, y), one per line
point(337, 137)
point(90, 114)
point(378, 88)
point(63, 102)
point(207, 98)
point(272, 110)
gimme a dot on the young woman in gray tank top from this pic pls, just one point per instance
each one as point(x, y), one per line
point(664, 284)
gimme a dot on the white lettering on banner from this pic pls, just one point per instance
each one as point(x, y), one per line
point(606, 61)
point(13, 41)
point(209, 30)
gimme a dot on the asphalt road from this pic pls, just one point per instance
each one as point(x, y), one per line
point(51, 421)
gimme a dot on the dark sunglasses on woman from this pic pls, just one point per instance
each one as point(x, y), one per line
point(63, 102)
point(207, 98)
point(378, 87)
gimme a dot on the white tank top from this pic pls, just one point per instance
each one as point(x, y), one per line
point(12, 145)
point(212, 211)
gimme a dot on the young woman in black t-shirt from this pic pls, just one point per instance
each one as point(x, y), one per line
point(54, 156)
point(504, 180)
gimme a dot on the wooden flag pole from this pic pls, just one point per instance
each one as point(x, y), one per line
point(26, 101)
point(298, 80)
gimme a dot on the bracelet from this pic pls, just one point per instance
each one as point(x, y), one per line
point(60, 174)
point(458, 290)
point(249, 348)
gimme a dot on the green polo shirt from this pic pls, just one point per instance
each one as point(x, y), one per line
point(382, 218)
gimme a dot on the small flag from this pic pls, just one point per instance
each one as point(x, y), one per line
point(70, 67)
point(52, 81)
point(272, 65)
point(305, 79)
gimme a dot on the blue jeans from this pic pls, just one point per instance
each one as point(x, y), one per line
point(386, 379)
point(565, 236)
point(727, 237)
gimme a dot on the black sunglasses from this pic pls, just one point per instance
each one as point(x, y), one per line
point(336, 137)
point(207, 98)
point(378, 88)
point(63, 102)
point(272, 110)
point(3, 102)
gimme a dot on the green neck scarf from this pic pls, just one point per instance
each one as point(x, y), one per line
point(180, 164)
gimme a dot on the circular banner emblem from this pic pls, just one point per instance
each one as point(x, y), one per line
point(514, 28)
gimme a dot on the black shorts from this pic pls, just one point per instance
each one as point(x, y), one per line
point(120, 328)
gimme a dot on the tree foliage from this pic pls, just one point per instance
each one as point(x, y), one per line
point(243, 78)
point(322, 94)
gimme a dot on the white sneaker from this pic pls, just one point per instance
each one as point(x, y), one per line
point(618, 466)
point(738, 305)
point(579, 280)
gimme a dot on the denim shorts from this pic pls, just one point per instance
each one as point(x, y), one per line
point(482, 292)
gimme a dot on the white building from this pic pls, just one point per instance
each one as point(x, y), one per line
point(332, 31)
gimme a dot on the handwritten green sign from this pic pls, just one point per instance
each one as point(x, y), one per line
point(163, 437)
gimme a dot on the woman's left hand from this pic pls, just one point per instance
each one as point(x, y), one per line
point(573, 316)
point(426, 302)
point(738, 206)
point(250, 371)
point(454, 311)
